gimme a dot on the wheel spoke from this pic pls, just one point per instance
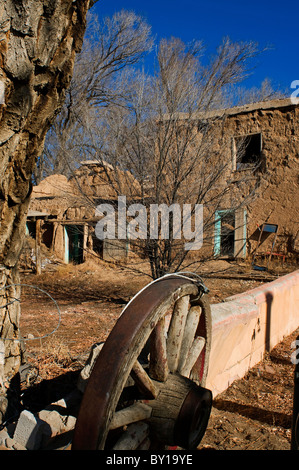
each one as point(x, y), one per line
point(189, 334)
point(131, 414)
point(132, 437)
point(143, 381)
point(158, 369)
point(194, 352)
point(159, 344)
point(175, 333)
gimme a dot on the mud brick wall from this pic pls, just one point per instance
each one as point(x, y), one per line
point(276, 198)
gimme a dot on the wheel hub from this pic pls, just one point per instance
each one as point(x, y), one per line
point(181, 412)
point(193, 419)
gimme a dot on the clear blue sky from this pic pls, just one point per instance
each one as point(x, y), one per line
point(274, 23)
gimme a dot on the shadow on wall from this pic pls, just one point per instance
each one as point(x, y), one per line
point(269, 301)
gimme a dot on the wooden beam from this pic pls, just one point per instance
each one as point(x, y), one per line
point(38, 238)
point(158, 369)
point(131, 439)
point(189, 334)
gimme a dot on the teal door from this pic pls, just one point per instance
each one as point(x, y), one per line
point(73, 244)
point(224, 233)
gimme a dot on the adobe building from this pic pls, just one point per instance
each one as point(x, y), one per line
point(258, 147)
point(260, 144)
point(62, 212)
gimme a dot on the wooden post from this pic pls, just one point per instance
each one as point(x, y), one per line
point(38, 263)
point(85, 237)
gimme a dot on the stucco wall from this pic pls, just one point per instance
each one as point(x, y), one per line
point(247, 325)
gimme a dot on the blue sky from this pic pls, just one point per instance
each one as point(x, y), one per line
point(269, 23)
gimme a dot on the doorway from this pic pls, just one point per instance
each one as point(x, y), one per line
point(74, 235)
point(230, 233)
point(224, 233)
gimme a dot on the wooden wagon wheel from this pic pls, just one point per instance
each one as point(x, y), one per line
point(147, 385)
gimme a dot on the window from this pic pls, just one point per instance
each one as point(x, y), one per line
point(247, 151)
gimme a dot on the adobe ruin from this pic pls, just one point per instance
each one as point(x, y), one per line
point(269, 133)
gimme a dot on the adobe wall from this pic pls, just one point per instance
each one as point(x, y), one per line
point(276, 199)
point(269, 194)
point(247, 325)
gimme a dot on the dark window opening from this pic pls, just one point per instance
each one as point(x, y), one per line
point(248, 151)
point(31, 226)
point(47, 234)
point(97, 246)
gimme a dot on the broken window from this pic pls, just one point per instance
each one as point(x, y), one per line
point(247, 151)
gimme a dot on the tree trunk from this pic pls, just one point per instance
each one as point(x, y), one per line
point(38, 43)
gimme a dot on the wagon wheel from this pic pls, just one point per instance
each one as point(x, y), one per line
point(146, 387)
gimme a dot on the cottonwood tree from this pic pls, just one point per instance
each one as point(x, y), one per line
point(39, 40)
point(239, 96)
point(166, 132)
point(110, 46)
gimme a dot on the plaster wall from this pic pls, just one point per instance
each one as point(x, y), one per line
point(247, 325)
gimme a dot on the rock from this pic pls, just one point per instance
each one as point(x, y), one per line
point(35, 431)
point(29, 431)
point(3, 436)
point(269, 369)
point(87, 369)
point(12, 444)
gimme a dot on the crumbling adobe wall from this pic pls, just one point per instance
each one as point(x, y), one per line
point(100, 180)
point(276, 198)
point(60, 198)
point(268, 192)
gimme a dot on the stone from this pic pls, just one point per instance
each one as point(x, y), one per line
point(87, 369)
point(29, 430)
point(53, 422)
point(3, 436)
point(12, 444)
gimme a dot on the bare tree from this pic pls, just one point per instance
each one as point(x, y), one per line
point(110, 46)
point(239, 96)
point(39, 40)
point(167, 133)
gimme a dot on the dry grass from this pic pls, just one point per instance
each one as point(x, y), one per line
point(53, 359)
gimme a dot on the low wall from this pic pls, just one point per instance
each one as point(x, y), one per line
point(247, 325)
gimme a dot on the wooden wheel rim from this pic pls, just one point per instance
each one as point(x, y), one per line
point(120, 352)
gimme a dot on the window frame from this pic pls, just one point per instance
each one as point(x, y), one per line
point(243, 166)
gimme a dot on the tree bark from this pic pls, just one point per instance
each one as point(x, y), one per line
point(38, 43)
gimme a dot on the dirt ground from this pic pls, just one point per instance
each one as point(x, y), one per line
point(255, 413)
point(72, 307)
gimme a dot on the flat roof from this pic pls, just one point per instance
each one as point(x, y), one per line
point(247, 108)
point(270, 104)
point(37, 214)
